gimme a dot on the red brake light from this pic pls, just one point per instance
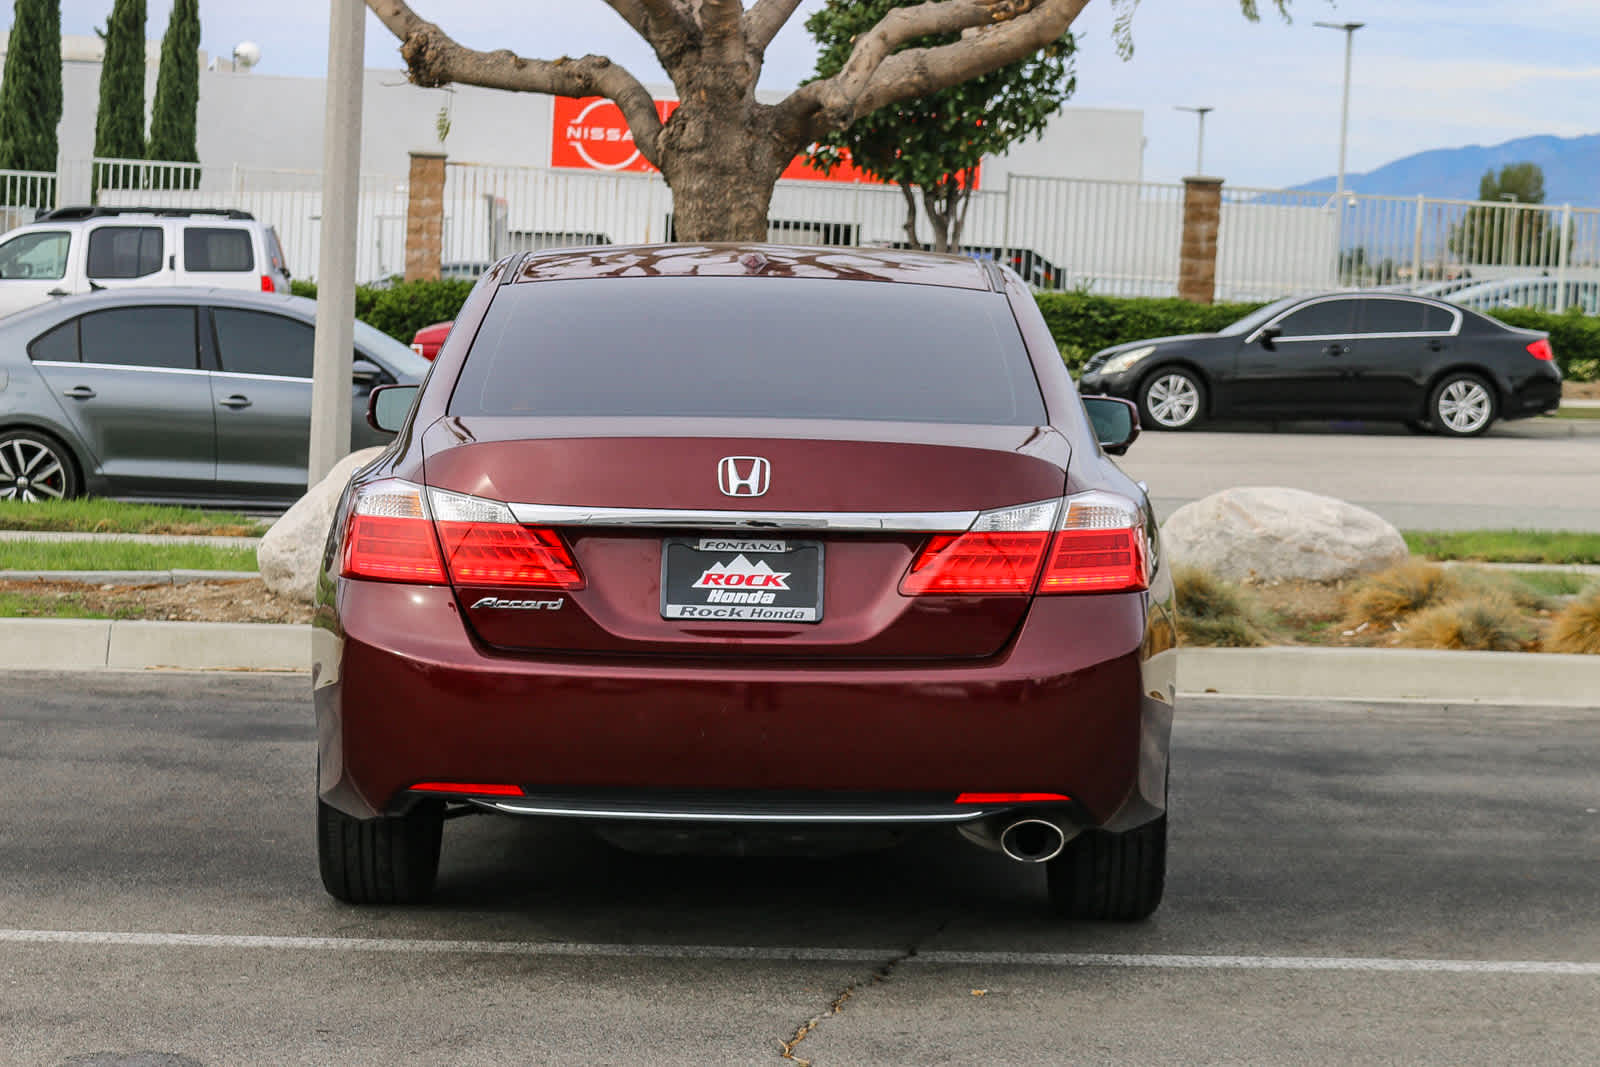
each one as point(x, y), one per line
point(389, 537)
point(1100, 547)
point(993, 563)
point(491, 553)
point(468, 787)
point(1009, 798)
point(1541, 349)
point(266, 284)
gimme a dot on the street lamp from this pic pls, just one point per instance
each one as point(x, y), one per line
point(1200, 139)
point(1349, 29)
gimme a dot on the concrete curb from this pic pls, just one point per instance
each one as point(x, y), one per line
point(1371, 674)
point(174, 577)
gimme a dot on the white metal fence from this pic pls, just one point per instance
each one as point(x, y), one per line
point(1116, 238)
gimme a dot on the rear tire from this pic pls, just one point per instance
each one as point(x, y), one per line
point(1462, 405)
point(392, 859)
point(1101, 875)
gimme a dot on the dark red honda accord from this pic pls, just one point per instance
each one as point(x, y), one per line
point(702, 543)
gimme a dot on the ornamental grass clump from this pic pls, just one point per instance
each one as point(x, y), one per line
point(1476, 623)
point(1214, 612)
point(1576, 628)
point(1405, 588)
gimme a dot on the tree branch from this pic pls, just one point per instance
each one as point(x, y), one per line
point(664, 24)
point(876, 75)
point(764, 21)
point(434, 59)
point(722, 23)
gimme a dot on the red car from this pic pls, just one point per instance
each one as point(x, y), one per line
point(748, 545)
point(428, 340)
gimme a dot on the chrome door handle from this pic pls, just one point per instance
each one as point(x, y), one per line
point(1336, 350)
point(235, 401)
point(58, 291)
point(80, 392)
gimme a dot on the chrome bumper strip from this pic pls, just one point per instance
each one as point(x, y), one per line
point(910, 521)
point(700, 815)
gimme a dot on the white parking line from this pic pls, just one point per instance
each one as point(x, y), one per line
point(779, 953)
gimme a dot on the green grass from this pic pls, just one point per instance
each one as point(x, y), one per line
point(96, 515)
point(1506, 546)
point(1577, 413)
point(54, 606)
point(121, 556)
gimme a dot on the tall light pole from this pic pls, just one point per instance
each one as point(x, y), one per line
point(1349, 29)
point(1200, 139)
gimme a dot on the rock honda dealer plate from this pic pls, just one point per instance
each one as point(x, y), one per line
point(739, 579)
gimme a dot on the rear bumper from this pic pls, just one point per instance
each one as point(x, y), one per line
point(1536, 394)
point(1076, 705)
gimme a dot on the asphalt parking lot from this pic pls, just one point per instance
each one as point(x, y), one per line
point(1533, 474)
point(1405, 883)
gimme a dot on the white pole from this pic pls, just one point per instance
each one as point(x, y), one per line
point(336, 269)
point(1200, 138)
point(1349, 29)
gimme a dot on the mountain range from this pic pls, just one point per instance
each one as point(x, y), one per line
point(1571, 170)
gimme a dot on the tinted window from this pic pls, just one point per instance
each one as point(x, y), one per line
point(41, 254)
point(1327, 317)
point(124, 251)
point(1393, 316)
point(209, 249)
point(758, 347)
point(1438, 320)
point(60, 345)
point(140, 337)
point(255, 342)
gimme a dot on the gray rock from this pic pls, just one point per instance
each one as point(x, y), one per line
point(290, 554)
point(1267, 534)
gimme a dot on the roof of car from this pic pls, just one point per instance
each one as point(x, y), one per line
point(755, 260)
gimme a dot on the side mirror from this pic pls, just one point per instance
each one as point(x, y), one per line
point(388, 406)
point(1268, 335)
point(1115, 421)
point(365, 372)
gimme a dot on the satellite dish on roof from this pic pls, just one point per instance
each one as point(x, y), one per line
point(246, 54)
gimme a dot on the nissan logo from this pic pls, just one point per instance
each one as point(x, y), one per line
point(743, 475)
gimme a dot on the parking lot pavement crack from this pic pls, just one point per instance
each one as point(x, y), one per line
point(882, 973)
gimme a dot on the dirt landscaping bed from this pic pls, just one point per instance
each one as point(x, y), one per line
point(246, 600)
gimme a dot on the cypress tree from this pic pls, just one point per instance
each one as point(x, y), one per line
point(119, 125)
point(172, 123)
point(30, 92)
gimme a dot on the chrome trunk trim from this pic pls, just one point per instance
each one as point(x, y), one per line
point(910, 521)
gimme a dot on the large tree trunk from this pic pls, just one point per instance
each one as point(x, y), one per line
point(721, 153)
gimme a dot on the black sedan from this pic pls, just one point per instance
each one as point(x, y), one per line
point(1348, 355)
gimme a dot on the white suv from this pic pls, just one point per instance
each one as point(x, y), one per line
point(81, 249)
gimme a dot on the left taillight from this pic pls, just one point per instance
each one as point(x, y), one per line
point(1097, 546)
point(1541, 349)
point(267, 284)
point(388, 536)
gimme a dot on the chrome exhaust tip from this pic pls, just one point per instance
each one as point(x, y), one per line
point(1032, 840)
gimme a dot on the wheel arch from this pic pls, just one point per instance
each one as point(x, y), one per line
point(1477, 370)
point(45, 428)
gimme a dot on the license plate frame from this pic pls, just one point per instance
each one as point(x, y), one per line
point(770, 579)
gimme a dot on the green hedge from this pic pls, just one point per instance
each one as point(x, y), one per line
point(405, 307)
point(1083, 324)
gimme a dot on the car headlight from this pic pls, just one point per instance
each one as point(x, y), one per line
point(1123, 360)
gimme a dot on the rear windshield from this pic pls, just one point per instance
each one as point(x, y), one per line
point(750, 347)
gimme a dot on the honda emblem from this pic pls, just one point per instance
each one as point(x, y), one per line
point(743, 475)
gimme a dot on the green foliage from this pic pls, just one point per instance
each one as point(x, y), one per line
point(119, 124)
point(934, 142)
point(1506, 546)
point(405, 307)
point(30, 92)
point(1509, 234)
point(1083, 323)
point(1524, 181)
point(172, 123)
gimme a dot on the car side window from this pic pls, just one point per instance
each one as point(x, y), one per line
point(1326, 318)
point(125, 251)
point(1394, 316)
point(140, 337)
point(258, 342)
point(216, 249)
point(59, 345)
point(41, 255)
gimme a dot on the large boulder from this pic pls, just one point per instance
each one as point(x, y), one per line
point(291, 552)
point(1266, 534)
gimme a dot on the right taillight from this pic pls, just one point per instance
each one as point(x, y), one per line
point(1541, 349)
point(1100, 547)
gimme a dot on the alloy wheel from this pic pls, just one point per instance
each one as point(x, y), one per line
point(1465, 406)
point(30, 469)
point(1173, 400)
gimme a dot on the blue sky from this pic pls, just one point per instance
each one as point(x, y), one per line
point(1427, 73)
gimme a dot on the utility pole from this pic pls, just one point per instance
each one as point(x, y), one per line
point(336, 266)
point(1349, 29)
point(1200, 139)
